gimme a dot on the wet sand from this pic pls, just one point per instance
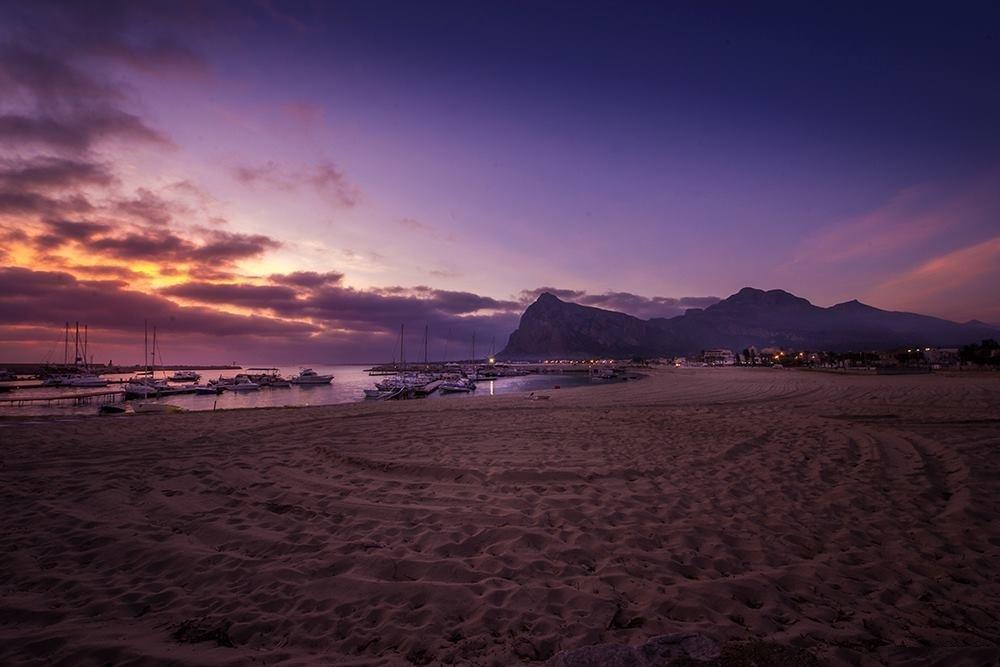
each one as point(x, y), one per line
point(853, 517)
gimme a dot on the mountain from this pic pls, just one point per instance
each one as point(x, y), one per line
point(551, 327)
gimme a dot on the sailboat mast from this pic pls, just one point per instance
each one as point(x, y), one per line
point(425, 344)
point(145, 344)
point(86, 350)
point(76, 346)
point(473, 347)
point(66, 347)
point(402, 354)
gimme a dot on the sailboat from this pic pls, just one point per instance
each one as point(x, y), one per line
point(81, 375)
point(144, 385)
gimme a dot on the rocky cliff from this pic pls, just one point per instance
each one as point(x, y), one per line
point(551, 328)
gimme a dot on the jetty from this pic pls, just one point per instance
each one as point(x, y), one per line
point(80, 398)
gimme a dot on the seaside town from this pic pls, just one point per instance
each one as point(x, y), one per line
point(120, 389)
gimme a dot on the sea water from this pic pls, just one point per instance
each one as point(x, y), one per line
point(348, 386)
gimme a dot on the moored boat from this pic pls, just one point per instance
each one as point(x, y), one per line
point(309, 376)
point(242, 384)
point(461, 385)
point(85, 380)
point(184, 376)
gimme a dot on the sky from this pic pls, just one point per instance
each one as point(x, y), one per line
point(284, 182)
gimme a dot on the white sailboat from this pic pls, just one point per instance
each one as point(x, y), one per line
point(80, 374)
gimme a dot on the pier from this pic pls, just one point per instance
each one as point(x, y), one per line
point(427, 389)
point(82, 398)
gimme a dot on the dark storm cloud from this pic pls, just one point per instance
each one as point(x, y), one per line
point(165, 246)
point(149, 36)
point(326, 299)
point(54, 94)
point(528, 296)
point(54, 104)
point(639, 306)
point(18, 202)
point(151, 246)
point(307, 279)
point(103, 271)
point(256, 296)
point(646, 307)
point(229, 246)
point(44, 297)
point(450, 315)
point(77, 133)
point(152, 243)
point(147, 207)
point(61, 232)
point(45, 173)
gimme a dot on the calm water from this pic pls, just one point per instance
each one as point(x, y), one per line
point(347, 387)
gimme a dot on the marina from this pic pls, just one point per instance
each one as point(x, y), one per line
point(348, 385)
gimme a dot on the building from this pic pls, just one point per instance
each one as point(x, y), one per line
point(718, 357)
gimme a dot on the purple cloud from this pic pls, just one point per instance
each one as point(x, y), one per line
point(325, 178)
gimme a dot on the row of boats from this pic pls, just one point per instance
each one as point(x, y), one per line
point(145, 386)
point(412, 385)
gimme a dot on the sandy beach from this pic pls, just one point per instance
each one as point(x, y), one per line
point(853, 517)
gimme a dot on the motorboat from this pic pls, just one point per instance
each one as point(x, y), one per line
point(85, 380)
point(405, 381)
point(377, 394)
point(74, 380)
point(309, 376)
point(206, 389)
point(461, 385)
point(143, 386)
point(242, 384)
point(184, 376)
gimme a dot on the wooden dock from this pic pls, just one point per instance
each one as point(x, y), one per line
point(82, 398)
point(428, 388)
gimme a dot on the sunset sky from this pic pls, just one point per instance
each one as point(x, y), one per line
point(289, 182)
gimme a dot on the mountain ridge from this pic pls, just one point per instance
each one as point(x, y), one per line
point(551, 327)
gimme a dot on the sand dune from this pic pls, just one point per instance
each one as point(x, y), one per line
point(856, 517)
